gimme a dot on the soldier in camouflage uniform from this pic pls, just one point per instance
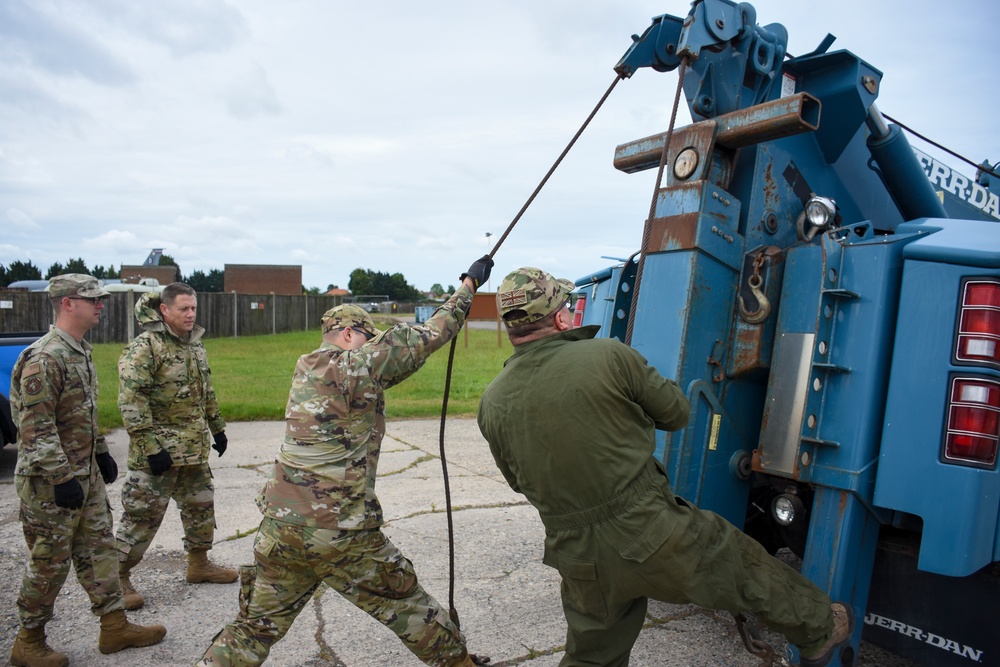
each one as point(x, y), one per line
point(322, 519)
point(62, 468)
point(613, 528)
point(169, 408)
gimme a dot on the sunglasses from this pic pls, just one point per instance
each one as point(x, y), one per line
point(361, 331)
point(92, 299)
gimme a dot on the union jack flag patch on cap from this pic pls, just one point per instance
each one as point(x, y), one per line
point(513, 298)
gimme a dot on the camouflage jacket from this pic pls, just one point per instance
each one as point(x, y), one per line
point(324, 475)
point(53, 401)
point(165, 391)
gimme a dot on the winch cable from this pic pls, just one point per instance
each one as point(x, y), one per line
point(647, 228)
point(452, 612)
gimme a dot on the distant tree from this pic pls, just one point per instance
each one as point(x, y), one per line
point(104, 273)
point(167, 260)
point(436, 289)
point(77, 266)
point(451, 289)
point(366, 281)
point(213, 281)
point(360, 282)
point(19, 270)
point(330, 287)
point(56, 269)
point(311, 291)
point(3, 276)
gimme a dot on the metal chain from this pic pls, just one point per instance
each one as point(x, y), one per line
point(647, 228)
point(758, 264)
point(750, 635)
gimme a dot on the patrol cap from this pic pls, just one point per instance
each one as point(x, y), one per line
point(348, 315)
point(75, 284)
point(528, 294)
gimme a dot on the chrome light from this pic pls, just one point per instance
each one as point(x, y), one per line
point(787, 509)
point(820, 211)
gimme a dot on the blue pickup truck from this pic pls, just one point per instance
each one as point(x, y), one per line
point(11, 346)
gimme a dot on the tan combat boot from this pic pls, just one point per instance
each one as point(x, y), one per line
point(471, 660)
point(133, 599)
point(117, 633)
point(843, 628)
point(30, 650)
point(200, 570)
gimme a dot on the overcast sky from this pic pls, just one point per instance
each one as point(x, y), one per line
point(390, 135)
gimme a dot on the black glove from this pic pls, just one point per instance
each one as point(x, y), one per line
point(221, 442)
point(69, 495)
point(479, 272)
point(160, 462)
point(109, 469)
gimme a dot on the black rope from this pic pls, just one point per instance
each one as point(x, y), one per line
point(988, 170)
point(452, 611)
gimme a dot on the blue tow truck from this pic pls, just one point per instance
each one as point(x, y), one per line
point(837, 332)
point(11, 346)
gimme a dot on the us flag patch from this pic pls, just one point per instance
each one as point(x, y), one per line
point(513, 298)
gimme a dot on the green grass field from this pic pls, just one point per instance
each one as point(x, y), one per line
point(252, 375)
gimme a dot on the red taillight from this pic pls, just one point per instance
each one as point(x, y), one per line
point(979, 323)
point(581, 304)
point(982, 294)
point(973, 421)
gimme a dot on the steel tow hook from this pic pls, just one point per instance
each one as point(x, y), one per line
point(763, 305)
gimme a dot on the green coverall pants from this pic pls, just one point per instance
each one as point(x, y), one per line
point(648, 543)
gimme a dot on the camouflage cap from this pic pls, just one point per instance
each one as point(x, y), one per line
point(75, 284)
point(348, 315)
point(528, 294)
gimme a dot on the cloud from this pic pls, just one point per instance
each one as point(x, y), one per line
point(115, 241)
point(21, 97)
point(39, 35)
point(252, 95)
point(21, 219)
point(185, 27)
point(335, 150)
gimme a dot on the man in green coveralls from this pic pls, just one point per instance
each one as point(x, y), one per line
point(62, 468)
point(322, 520)
point(169, 409)
point(613, 528)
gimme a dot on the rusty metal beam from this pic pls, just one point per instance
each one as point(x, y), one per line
point(779, 118)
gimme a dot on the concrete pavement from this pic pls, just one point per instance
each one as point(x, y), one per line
point(507, 600)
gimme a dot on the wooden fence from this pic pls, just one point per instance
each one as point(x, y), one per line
point(222, 314)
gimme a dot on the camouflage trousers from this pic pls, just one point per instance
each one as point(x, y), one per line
point(145, 498)
point(363, 566)
point(58, 537)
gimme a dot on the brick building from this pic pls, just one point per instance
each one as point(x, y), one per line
point(263, 279)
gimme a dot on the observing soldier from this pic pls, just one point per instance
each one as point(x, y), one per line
point(613, 528)
point(169, 408)
point(322, 520)
point(62, 468)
